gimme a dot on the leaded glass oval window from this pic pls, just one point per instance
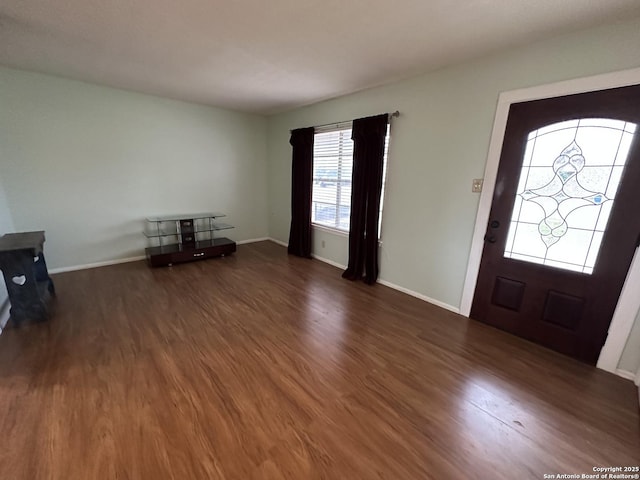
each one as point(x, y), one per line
point(568, 183)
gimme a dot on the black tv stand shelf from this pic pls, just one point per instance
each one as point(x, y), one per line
point(186, 238)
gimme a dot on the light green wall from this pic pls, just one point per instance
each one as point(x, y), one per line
point(87, 164)
point(439, 144)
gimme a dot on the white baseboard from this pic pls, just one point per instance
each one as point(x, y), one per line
point(420, 296)
point(626, 374)
point(284, 244)
point(117, 261)
point(96, 264)
point(417, 295)
point(330, 262)
point(253, 240)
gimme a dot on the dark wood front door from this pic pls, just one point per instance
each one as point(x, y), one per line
point(564, 221)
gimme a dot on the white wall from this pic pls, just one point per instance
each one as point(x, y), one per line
point(6, 221)
point(6, 226)
point(630, 359)
point(439, 144)
point(88, 163)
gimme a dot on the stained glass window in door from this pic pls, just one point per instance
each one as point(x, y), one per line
point(568, 183)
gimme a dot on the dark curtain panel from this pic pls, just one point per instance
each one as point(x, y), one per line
point(368, 155)
point(301, 178)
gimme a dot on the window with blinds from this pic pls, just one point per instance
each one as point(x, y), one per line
point(332, 168)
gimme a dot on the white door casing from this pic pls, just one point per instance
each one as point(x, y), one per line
point(628, 303)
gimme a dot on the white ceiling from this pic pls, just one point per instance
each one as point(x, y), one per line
point(269, 56)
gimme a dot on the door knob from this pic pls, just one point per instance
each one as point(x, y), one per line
point(494, 224)
point(490, 238)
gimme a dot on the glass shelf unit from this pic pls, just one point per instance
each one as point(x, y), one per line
point(185, 237)
point(173, 232)
point(193, 216)
point(186, 228)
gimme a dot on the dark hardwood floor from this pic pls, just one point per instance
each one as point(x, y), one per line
point(265, 366)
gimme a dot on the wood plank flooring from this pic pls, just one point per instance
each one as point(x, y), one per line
point(265, 366)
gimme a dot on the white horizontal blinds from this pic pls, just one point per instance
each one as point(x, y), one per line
point(332, 169)
point(384, 176)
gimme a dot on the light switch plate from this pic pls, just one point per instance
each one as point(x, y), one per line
point(476, 186)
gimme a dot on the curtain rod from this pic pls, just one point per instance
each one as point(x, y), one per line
point(391, 115)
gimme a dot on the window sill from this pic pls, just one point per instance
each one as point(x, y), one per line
point(334, 231)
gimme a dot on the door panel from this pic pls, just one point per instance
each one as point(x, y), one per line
point(564, 221)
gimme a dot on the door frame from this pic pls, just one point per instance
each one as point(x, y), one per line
point(628, 304)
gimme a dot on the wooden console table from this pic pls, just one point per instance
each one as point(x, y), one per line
point(26, 276)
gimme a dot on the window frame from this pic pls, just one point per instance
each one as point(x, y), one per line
point(335, 229)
